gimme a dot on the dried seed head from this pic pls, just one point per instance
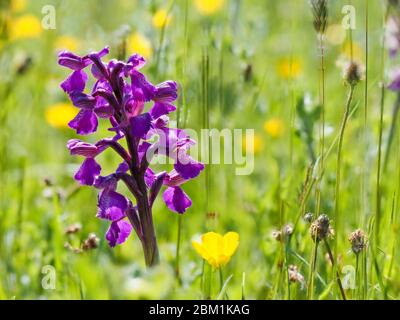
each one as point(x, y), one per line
point(277, 235)
point(308, 217)
point(295, 275)
point(92, 242)
point(320, 13)
point(248, 72)
point(73, 228)
point(48, 182)
point(352, 71)
point(321, 228)
point(358, 240)
point(211, 215)
point(286, 231)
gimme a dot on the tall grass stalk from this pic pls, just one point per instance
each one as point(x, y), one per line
point(333, 262)
point(320, 12)
point(311, 181)
point(338, 174)
point(392, 130)
point(378, 214)
point(312, 267)
point(205, 69)
point(322, 130)
point(182, 124)
point(364, 177)
point(162, 37)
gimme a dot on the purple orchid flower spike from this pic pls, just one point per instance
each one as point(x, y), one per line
point(394, 76)
point(392, 35)
point(119, 95)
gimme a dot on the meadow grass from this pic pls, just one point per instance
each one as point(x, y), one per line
point(335, 152)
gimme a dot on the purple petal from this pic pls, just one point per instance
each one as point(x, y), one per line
point(106, 183)
point(85, 122)
point(78, 147)
point(112, 205)
point(174, 179)
point(176, 200)
point(134, 103)
point(166, 92)
point(72, 61)
point(149, 177)
point(161, 122)
point(118, 232)
point(171, 139)
point(137, 61)
point(99, 54)
point(82, 100)
point(99, 70)
point(88, 172)
point(141, 124)
point(123, 167)
point(139, 81)
point(104, 111)
point(156, 186)
point(97, 73)
point(102, 84)
point(395, 80)
point(76, 81)
point(144, 148)
point(159, 109)
point(187, 167)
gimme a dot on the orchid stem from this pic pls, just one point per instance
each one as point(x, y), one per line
point(178, 247)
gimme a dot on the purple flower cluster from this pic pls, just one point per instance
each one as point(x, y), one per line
point(119, 94)
point(392, 43)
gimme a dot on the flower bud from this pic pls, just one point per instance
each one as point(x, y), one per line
point(321, 228)
point(92, 242)
point(353, 72)
point(358, 240)
point(295, 275)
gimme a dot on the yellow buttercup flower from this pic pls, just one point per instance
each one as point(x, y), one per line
point(161, 18)
point(67, 43)
point(208, 7)
point(255, 146)
point(216, 249)
point(58, 115)
point(138, 43)
point(274, 127)
point(26, 26)
point(18, 5)
point(289, 68)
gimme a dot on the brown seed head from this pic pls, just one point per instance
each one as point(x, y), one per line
point(73, 228)
point(353, 72)
point(358, 240)
point(92, 242)
point(320, 13)
point(286, 231)
point(308, 217)
point(295, 275)
point(321, 228)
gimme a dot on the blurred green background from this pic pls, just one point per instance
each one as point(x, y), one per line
point(240, 64)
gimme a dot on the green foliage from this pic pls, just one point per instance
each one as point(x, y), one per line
point(229, 67)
